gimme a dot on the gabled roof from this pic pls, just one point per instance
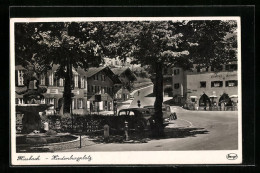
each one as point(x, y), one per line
point(128, 72)
point(94, 70)
point(119, 70)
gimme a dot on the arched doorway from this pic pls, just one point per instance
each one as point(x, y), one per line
point(204, 100)
point(224, 99)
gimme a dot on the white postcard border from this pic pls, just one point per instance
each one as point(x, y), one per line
point(124, 157)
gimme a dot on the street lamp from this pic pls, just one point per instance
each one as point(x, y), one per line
point(138, 103)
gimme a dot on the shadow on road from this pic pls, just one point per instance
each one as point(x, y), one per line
point(183, 132)
point(150, 95)
point(144, 137)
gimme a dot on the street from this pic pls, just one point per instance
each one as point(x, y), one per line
point(193, 130)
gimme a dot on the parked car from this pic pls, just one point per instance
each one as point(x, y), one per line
point(137, 118)
point(167, 113)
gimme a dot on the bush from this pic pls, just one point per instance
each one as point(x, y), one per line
point(51, 132)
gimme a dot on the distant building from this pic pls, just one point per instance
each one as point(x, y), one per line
point(86, 84)
point(127, 78)
point(101, 81)
point(201, 85)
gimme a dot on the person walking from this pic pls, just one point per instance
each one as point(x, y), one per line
point(138, 92)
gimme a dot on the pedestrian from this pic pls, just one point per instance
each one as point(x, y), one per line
point(138, 92)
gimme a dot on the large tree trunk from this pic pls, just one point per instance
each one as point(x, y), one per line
point(67, 88)
point(158, 91)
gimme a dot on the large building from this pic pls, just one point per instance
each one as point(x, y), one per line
point(201, 85)
point(86, 85)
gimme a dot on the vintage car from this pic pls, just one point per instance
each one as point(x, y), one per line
point(138, 118)
point(167, 113)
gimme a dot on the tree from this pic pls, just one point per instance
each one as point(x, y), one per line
point(163, 44)
point(70, 45)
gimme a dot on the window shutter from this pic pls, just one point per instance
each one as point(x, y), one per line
point(79, 82)
point(212, 84)
point(74, 103)
point(47, 79)
point(54, 80)
point(16, 78)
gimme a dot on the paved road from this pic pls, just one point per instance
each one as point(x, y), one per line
point(144, 97)
point(193, 130)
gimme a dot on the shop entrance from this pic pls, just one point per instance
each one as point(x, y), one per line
point(204, 101)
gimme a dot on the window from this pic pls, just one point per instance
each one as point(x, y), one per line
point(19, 101)
point(96, 77)
point(99, 91)
point(231, 83)
point(176, 71)
point(42, 81)
point(176, 86)
point(216, 84)
point(76, 81)
point(42, 101)
point(51, 101)
point(73, 103)
point(131, 113)
point(192, 99)
point(93, 88)
point(61, 82)
point(122, 113)
point(51, 79)
point(82, 82)
point(89, 88)
point(80, 103)
point(102, 77)
point(20, 78)
point(102, 90)
point(203, 84)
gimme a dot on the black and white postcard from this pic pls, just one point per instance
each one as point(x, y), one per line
point(126, 90)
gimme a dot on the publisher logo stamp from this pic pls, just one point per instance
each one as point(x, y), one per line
point(232, 156)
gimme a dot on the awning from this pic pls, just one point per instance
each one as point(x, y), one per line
point(233, 96)
point(193, 97)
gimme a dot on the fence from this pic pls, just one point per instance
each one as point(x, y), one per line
point(81, 123)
